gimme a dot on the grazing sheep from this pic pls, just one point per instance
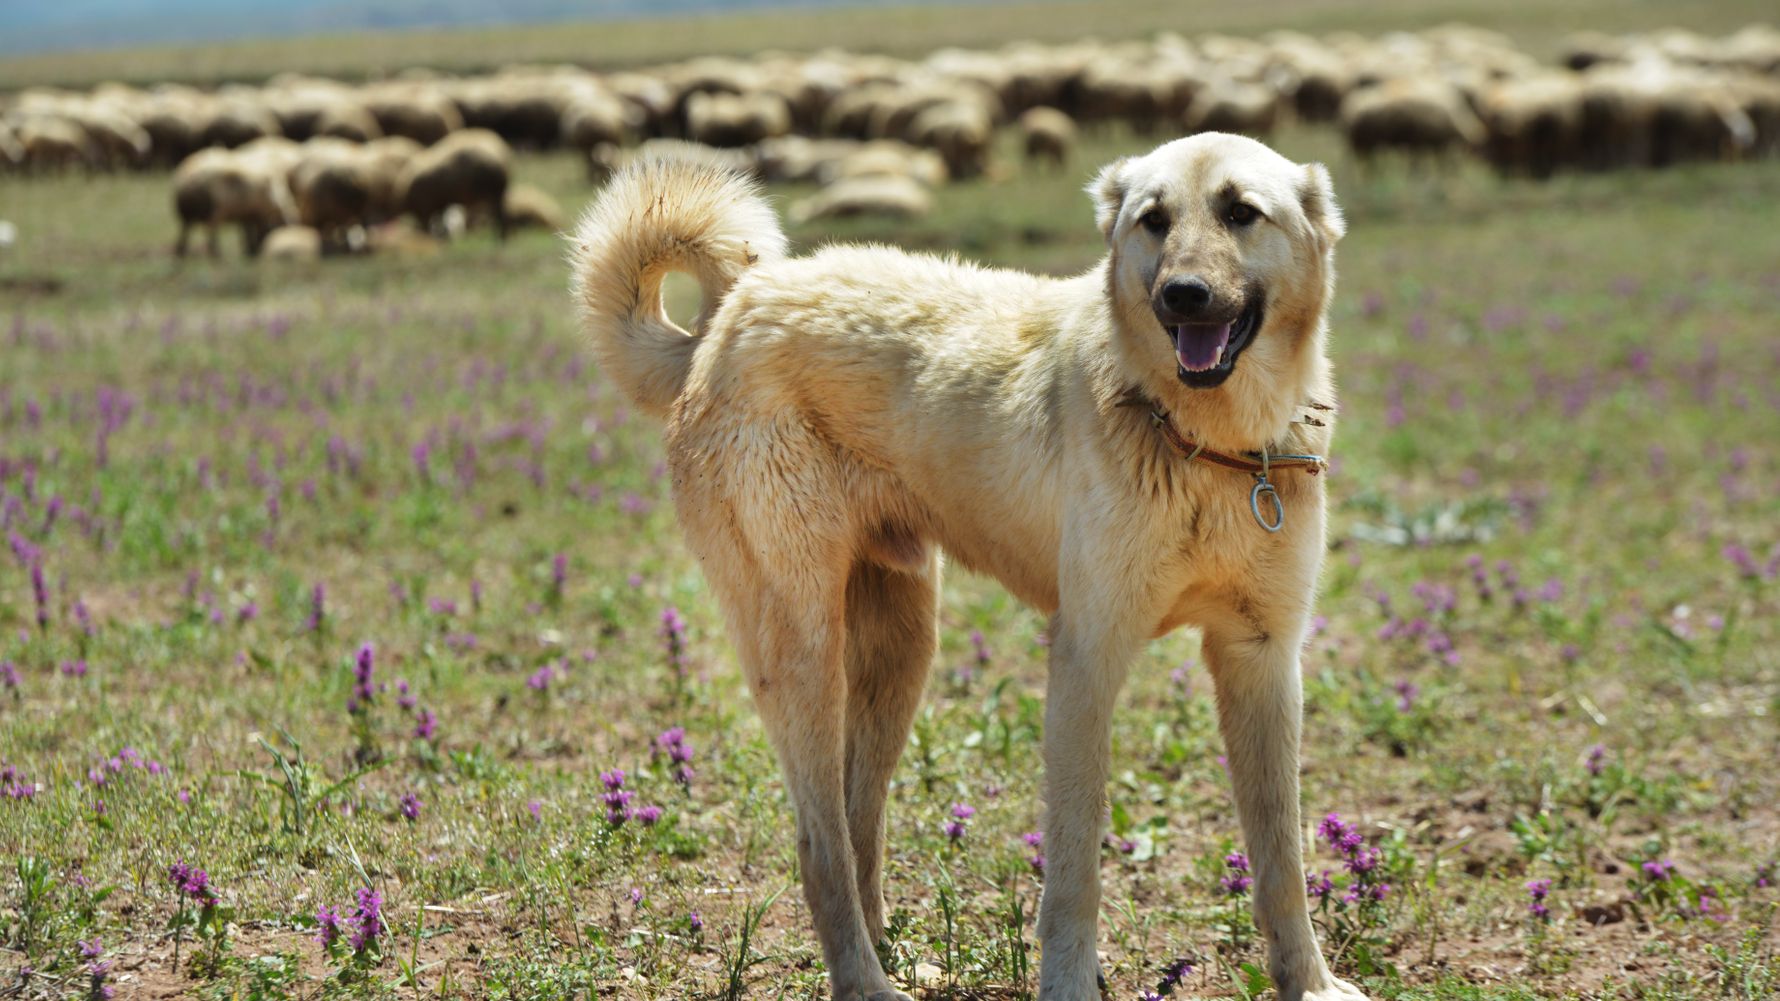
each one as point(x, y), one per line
point(1420, 116)
point(236, 123)
point(292, 243)
point(960, 131)
point(345, 119)
point(416, 111)
point(332, 189)
point(881, 157)
point(384, 162)
point(215, 187)
point(730, 121)
point(470, 168)
point(1048, 134)
point(1249, 109)
point(592, 118)
point(1534, 125)
point(53, 144)
point(529, 207)
point(878, 195)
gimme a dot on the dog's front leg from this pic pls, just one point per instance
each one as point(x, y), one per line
point(1254, 664)
point(1093, 639)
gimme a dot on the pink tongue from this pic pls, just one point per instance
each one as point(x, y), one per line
point(1197, 346)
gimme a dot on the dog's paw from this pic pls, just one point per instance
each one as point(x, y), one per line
point(1335, 990)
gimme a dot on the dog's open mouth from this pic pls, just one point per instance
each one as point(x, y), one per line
point(1207, 352)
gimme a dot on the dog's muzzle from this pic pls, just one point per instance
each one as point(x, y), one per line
point(1205, 351)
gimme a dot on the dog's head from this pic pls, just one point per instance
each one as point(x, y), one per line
point(1222, 259)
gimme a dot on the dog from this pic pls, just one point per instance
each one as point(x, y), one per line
point(1128, 450)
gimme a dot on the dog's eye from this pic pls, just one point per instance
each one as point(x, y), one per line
point(1155, 220)
point(1241, 214)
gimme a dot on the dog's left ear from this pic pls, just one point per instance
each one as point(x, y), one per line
point(1317, 195)
point(1108, 190)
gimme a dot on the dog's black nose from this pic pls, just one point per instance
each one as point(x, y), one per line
point(1186, 295)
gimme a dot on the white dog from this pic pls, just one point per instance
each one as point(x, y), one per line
point(1129, 450)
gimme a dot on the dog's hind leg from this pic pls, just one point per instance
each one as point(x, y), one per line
point(780, 571)
point(892, 633)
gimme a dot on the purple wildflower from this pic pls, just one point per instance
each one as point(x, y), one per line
point(411, 807)
point(559, 575)
point(41, 593)
point(318, 599)
point(694, 923)
point(426, 725)
point(362, 690)
point(1537, 891)
point(1596, 762)
point(367, 920)
point(1238, 881)
point(648, 815)
point(1406, 693)
point(672, 742)
point(9, 676)
point(1658, 871)
point(617, 798)
point(673, 637)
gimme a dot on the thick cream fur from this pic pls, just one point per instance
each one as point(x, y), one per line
point(836, 421)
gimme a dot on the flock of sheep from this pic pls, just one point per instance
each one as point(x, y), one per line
point(304, 165)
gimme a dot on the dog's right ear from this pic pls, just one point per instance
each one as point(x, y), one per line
point(1108, 190)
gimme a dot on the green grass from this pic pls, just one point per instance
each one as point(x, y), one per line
point(1577, 379)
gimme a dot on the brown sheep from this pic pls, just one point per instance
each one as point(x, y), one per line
point(594, 117)
point(470, 168)
point(237, 122)
point(730, 121)
point(332, 189)
point(346, 119)
point(1249, 109)
point(960, 131)
point(215, 187)
point(881, 157)
point(529, 207)
point(54, 144)
point(384, 161)
point(1534, 125)
point(881, 195)
point(1420, 116)
point(416, 111)
point(1048, 134)
point(292, 243)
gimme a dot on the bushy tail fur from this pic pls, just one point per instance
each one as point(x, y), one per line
point(657, 216)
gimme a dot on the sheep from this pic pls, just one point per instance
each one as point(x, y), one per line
point(332, 189)
point(416, 111)
point(469, 168)
point(214, 187)
point(1249, 109)
point(530, 207)
point(1420, 116)
point(960, 131)
point(1048, 134)
point(292, 243)
point(736, 120)
point(346, 119)
point(595, 117)
point(1534, 125)
point(384, 162)
point(883, 195)
point(885, 157)
point(53, 144)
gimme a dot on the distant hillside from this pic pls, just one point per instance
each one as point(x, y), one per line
point(86, 24)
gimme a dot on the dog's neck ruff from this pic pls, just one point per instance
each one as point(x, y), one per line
point(1260, 464)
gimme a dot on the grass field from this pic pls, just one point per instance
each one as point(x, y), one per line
point(1546, 648)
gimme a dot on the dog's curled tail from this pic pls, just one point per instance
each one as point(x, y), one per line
point(657, 216)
